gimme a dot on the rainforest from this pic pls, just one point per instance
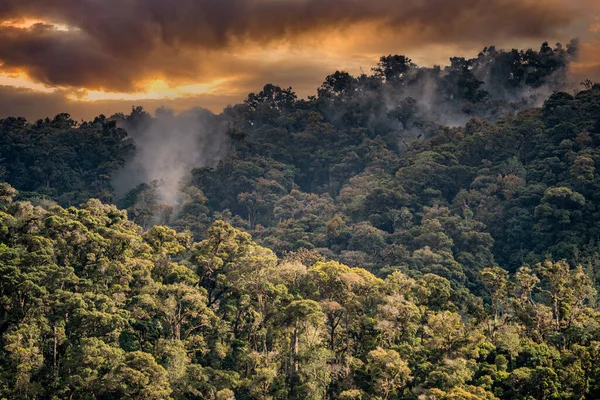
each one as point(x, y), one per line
point(408, 233)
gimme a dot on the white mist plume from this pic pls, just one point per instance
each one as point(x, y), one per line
point(169, 147)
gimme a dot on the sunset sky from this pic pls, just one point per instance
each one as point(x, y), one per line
point(88, 57)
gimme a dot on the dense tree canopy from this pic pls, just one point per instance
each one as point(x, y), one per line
point(418, 233)
point(92, 306)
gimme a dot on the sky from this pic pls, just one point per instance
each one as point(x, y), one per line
point(91, 57)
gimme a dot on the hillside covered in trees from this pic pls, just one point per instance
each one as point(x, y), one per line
point(418, 233)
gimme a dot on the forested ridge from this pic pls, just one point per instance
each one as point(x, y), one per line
point(418, 233)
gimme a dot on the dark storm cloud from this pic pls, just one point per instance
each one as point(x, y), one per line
point(112, 44)
point(60, 58)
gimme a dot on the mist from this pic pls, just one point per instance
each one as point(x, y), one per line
point(415, 101)
point(168, 147)
point(400, 97)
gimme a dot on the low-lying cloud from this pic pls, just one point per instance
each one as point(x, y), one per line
point(168, 147)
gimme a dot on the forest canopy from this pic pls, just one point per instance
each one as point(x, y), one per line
point(415, 232)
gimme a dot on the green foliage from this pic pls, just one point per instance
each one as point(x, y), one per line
point(350, 247)
point(92, 307)
point(61, 159)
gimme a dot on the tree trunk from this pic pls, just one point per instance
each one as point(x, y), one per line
point(332, 339)
point(295, 350)
point(55, 353)
point(178, 324)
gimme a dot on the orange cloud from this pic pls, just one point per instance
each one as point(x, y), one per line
point(180, 51)
point(116, 45)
